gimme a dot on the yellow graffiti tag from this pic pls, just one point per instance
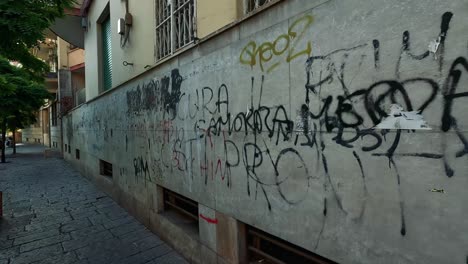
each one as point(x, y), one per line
point(264, 53)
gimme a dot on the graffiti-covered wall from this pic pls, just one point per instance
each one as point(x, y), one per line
point(339, 126)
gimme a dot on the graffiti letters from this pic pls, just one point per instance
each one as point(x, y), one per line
point(287, 44)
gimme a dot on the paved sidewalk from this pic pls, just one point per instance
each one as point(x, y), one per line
point(54, 215)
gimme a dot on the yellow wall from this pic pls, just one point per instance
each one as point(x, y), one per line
point(215, 14)
point(75, 57)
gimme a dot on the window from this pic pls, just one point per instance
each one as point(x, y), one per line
point(106, 51)
point(69, 149)
point(174, 26)
point(54, 114)
point(105, 168)
point(77, 154)
point(251, 5)
point(181, 204)
point(267, 249)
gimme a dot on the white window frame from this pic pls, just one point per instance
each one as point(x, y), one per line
point(176, 19)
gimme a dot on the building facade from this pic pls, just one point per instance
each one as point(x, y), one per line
point(66, 81)
point(299, 131)
point(39, 132)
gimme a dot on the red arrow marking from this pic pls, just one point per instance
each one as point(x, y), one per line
point(209, 220)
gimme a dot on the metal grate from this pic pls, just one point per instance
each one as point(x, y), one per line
point(267, 249)
point(174, 25)
point(105, 168)
point(181, 204)
point(254, 4)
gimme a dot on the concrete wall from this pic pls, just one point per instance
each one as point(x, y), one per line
point(55, 136)
point(35, 133)
point(32, 135)
point(270, 124)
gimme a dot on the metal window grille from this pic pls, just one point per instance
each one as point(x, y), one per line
point(105, 168)
point(174, 26)
point(254, 4)
point(180, 204)
point(267, 249)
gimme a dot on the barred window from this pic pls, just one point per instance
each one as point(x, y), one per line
point(251, 5)
point(174, 26)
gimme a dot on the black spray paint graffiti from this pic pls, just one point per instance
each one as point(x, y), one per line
point(374, 98)
point(406, 50)
point(159, 95)
point(270, 143)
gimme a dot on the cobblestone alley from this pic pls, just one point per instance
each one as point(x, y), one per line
point(54, 215)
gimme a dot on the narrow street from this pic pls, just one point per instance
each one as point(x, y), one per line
point(51, 214)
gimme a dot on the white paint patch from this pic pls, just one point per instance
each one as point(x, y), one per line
point(434, 46)
point(399, 119)
point(299, 124)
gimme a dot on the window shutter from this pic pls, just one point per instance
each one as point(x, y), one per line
point(106, 54)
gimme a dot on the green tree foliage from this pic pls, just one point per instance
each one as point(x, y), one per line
point(22, 23)
point(22, 90)
point(19, 120)
point(20, 97)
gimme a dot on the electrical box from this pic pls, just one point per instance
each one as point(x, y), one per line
point(121, 26)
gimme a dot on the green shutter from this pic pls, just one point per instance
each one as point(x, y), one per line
point(106, 54)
